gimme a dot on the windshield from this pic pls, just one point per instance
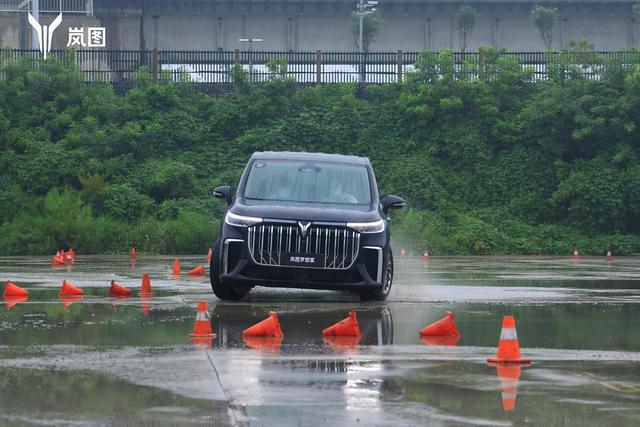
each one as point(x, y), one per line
point(308, 182)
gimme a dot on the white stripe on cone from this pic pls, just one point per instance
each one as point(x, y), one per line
point(508, 334)
point(202, 316)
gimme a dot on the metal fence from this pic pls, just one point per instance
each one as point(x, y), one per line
point(49, 6)
point(216, 67)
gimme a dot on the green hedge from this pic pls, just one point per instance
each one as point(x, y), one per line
point(496, 163)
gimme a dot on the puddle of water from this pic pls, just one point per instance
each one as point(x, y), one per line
point(578, 321)
point(31, 396)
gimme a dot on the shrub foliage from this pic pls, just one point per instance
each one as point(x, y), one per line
point(492, 161)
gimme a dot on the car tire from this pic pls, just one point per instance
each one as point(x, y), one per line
point(381, 293)
point(224, 292)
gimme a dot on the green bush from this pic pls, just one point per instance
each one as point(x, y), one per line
point(489, 159)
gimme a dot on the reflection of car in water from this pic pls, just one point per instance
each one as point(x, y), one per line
point(301, 327)
point(303, 220)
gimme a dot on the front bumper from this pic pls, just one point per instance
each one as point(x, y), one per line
point(239, 268)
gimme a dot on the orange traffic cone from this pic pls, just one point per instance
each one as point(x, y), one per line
point(198, 271)
point(146, 307)
point(209, 255)
point(11, 300)
point(446, 340)
point(202, 327)
point(576, 254)
point(57, 261)
point(268, 327)
point(609, 257)
point(70, 299)
point(69, 290)
point(509, 377)
point(508, 346)
point(133, 253)
point(342, 343)
point(202, 342)
point(267, 345)
point(443, 327)
point(176, 267)
point(13, 290)
point(145, 288)
point(345, 327)
point(118, 290)
point(425, 257)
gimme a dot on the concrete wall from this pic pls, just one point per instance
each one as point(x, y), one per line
point(9, 32)
point(312, 26)
point(408, 32)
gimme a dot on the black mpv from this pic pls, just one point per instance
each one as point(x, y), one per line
point(304, 220)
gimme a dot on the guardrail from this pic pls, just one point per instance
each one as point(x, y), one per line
point(213, 67)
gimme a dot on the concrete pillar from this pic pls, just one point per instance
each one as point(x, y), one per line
point(564, 31)
point(427, 34)
point(156, 20)
point(290, 33)
point(220, 34)
point(452, 26)
point(497, 35)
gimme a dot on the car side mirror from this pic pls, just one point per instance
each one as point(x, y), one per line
point(223, 192)
point(392, 202)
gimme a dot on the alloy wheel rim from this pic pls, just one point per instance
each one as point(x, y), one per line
point(388, 275)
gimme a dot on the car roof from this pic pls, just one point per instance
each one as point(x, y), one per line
point(319, 157)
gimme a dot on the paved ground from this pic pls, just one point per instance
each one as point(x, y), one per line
point(102, 361)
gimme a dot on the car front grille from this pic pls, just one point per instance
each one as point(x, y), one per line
point(337, 247)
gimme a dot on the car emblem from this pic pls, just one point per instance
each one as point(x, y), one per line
point(304, 228)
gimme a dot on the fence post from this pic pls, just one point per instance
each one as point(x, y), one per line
point(318, 66)
point(155, 66)
point(236, 57)
point(400, 63)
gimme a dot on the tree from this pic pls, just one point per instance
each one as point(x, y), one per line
point(370, 26)
point(544, 19)
point(635, 11)
point(465, 17)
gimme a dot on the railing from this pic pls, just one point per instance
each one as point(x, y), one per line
point(49, 6)
point(216, 67)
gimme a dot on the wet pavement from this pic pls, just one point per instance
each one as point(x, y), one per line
point(108, 361)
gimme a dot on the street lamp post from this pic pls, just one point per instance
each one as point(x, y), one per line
point(250, 40)
point(362, 11)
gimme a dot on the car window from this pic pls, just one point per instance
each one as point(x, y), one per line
point(308, 182)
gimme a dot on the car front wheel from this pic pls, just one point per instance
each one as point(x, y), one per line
point(381, 293)
point(224, 292)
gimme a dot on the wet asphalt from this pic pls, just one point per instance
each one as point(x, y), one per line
point(107, 361)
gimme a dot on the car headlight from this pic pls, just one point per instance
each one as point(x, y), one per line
point(241, 220)
point(367, 227)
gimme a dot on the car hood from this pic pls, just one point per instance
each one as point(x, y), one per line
point(321, 212)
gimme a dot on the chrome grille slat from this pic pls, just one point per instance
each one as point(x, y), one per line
point(337, 246)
